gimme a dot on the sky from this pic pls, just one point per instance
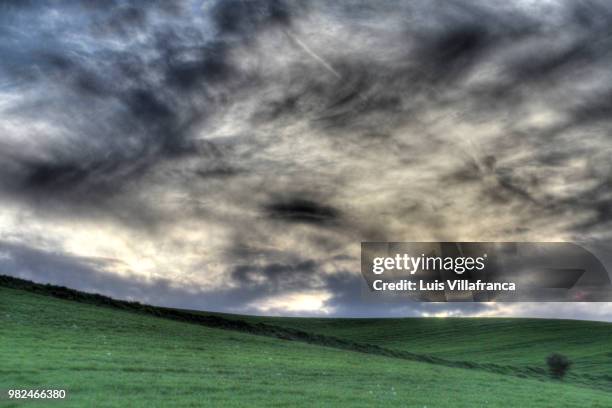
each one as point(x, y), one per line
point(233, 155)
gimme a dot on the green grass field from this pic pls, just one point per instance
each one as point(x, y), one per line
point(105, 356)
point(507, 341)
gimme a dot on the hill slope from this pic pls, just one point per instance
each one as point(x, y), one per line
point(109, 357)
point(502, 341)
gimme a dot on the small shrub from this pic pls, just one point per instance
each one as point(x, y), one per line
point(558, 365)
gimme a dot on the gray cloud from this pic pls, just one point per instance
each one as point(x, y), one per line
point(252, 145)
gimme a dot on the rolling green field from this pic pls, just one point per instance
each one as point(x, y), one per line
point(501, 341)
point(105, 356)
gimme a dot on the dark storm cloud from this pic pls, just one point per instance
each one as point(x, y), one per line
point(145, 121)
point(302, 210)
point(126, 119)
point(301, 127)
point(235, 17)
point(44, 266)
point(274, 274)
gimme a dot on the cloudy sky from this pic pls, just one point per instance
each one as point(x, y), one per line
point(232, 155)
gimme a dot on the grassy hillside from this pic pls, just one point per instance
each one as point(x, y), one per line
point(105, 356)
point(510, 341)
